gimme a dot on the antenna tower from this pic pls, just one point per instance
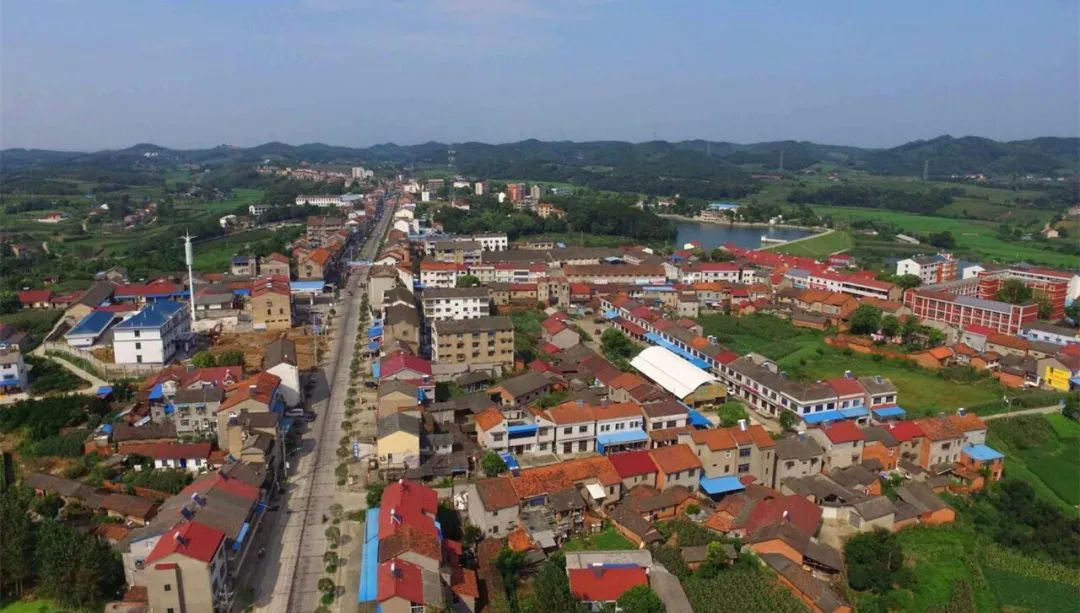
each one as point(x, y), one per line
point(450, 158)
point(189, 260)
point(926, 170)
point(781, 160)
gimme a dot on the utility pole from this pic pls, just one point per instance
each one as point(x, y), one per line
point(188, 259)
point(925, 170)
point(781, 160)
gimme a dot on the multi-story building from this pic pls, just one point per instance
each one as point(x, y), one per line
point(930, 269)
point(485, 343)
point(195, 410)
point(13, 374)
point(515, 192)
point(153, 335)
point(1058, 287)
point(441, 274)
point(457, 251)
point(842, 441)
point(737, 451)
point(271, 303)
point(797, 456)
point(930, 304)
point(615, 273)
point(314, 264)
point(456, 303)
point(708, 272)
point(275, 264)
point(855, 284)
point(1049, 333)
point(493, 506)
point(320, 229)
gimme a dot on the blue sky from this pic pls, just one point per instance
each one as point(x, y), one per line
point(192, 73)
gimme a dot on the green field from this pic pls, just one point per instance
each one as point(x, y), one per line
point(1042, 450)
point(36, 606)
point(1013, 589)
point(214, 254)
point(975, 237)
point(819, 247)
point(608, 539)
point(941, 557)
point(241, 198)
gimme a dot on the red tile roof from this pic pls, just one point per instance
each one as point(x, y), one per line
point(904, 431)
point(633, 463)
point(939, 429)
point(844, 386)
point(196, 541)
point(411, 503)
point(180, 451)
point(320, 256)
point(400, 579)
point(399, 361)
point(674, 458)
point(605, 583)
point(30, 296)
point(147, 289)
point(564, 475)
point(488, 419)
point(802, 513)
point(843, 432)
point(497, 493)
point(219, 482)
point(260, 388)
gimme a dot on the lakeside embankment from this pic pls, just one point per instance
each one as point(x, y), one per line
point(741, 224)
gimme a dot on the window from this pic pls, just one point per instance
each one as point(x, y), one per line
point(567, 430)
point(744, 468)
point(583, 429)
point(138, 333)
point(744, 452)
point(168, 587)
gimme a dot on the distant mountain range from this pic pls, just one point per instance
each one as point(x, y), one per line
point(591, 162)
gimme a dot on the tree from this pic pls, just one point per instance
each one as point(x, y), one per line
point(374, 493)
point(1073, 311)
point(908, 281)
point(203, 359)
point(890, 325)
point(468, 281)
point(866, 319)
point(492, 464)
point(9, 302)
point(721, 255)
point(231, 358)
point(640, 599)
point(1014, 291)
point(510, 563)
point(788, 419)
point(325, 585)
point(551, 588)
point(617, 347)
point(875, 561)
point(730, 413)
point(449, 520)
point(1046, 307)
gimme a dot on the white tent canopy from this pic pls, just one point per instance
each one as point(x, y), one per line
point(670, 371)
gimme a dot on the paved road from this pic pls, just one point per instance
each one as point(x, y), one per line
point(287, 579)
point(1054, 408)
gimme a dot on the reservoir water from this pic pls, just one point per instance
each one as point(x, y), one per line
point(712, 235)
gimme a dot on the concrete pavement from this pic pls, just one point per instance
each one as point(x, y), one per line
point(287, 578)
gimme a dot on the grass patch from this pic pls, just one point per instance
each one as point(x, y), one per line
point(972, 236)
point(1042, 450)
point(819, 247)
point(35, 322)
point(1030, 593)
point(34, 606)
point(941, 557)
point(607, 539)
point(770, 336)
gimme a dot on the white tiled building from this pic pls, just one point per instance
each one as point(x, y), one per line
point(153, 335)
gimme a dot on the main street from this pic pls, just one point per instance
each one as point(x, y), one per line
point(287, 579)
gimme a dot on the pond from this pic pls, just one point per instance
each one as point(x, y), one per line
point(712, 235)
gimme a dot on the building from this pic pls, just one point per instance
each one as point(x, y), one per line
point(244, 265)
point(314, 264)
point(441, 274)
point(186, 570)
point(13, 373)
point(515, 192)
point(933, 305)
point(739, 451)
point(842, 441)
point(485, 343)
point(456, 303)
point(600, 586)
point(154, 335)
point(279, 359)
point(684, 380)
point(194, 410)
point(398, 442)
point(270, 305)
point(1059, 287)
point(930, 269)
point(320, 229)
point(275, 264)
point(1049, 333)
point(493, 506)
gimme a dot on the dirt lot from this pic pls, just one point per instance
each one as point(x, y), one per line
point(253, 344)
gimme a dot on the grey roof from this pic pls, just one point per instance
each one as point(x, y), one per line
point(879, 434)
point(877, 385)
point(97, 293)
point(474, 403)
point(123, 431)
point(390, 386)
point(456, 245)
point(68, 488)
point(278, 351)
point(398, 422)
point(920, 496)
point(252, 474)
point(665, 408)
point(480, 324)
point(853, 476)
point(798, 448)
point(199, 395)
point(440, 440)
point(566, 500)
point(585, 559)
point(399, 313)
point(397, 293)
point(259, 419)
point(524, 384)
point(446, 293)
point(1043, 326)
point(473, 377)
point(802, 391)
point(538, 528)
point(9, 357)
point(633, 522)
point(819, 592)
point(825, 491)
point(202, 299)
point(875, 507)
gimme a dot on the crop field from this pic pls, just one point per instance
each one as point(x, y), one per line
point(1042, 450)
point(820, 246)
point(972, 236)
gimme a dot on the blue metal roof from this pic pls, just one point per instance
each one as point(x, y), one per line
point(373, 346)
point(169, 409)
point(104, 390)
point(156, 393)
point(521, 429)
point(510, 461)
point(369, 570)
point(853, 412)
point(93, 324)
point(698, 420)
point(634, 435)
point(611, 314)
point(982, 453)
point(9, 382)
point(153, 315)
point(375, 369)
point(720, 485)
point(817, 418)
point(306, 286)
point(375, 331)
point(890, 412)
point(240, 537)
